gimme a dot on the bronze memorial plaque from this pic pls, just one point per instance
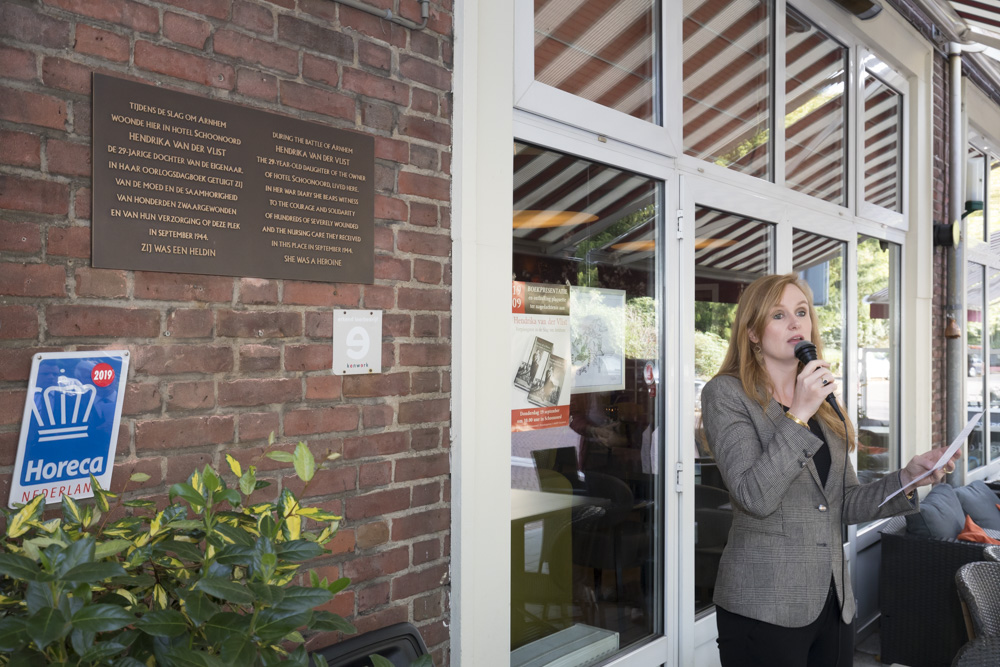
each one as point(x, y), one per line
point(192, 185)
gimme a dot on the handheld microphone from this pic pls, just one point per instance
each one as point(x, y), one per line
point(805, 352)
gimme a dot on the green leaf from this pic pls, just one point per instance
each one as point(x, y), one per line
point(238, 650)
point(235, 555)
point(231, 496)
point(46, 626)
point(327, 621)
point(79, 552)
point(338, 585)
point(100, 495)
point(300, 598)
point(179, 656)
point(110, 548)
point(81, 641)
point(101, 618)
point(139, 477)
point(423, 661)
point(12, 634)
point(211, 479)
point(267, 527)
point(234, 465)
point(184, 550)
point(19, 567)
point(163, 623)
point(92, 572)
point(379, 661)
point(138, 503)
point(71, 509)
point(129, 661)
point(266, 593)
point(235, 534)
point(224, 589)
point(20, 523)
point(248, 481)
point(188, 493)
point(226, 624)
point(198, 607)
point(305, 462)
point(272, 624)
point(283, 457)
point(298, 550)
point(38, 596)
point(101, 651)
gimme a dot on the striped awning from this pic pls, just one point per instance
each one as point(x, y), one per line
point(983, 19)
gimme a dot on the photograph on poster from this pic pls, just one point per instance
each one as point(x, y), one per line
point(546, 392)
point(530, 371)
point(597, 337)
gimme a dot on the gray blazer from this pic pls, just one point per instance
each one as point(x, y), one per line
point(785, 542)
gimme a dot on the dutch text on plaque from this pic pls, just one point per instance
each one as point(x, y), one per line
point(191, 185)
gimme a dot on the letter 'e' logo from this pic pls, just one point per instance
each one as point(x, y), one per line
point(358, 343)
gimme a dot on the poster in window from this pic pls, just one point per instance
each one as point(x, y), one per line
point(597, 334)
point(540, 382)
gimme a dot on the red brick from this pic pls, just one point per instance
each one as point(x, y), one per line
point(378, 87)
point(380, 117)
point(15, 363)
point(422, 128)
point(380, 444)
point(377, 416)
point(388, 208)
point(105, 283)
point(140, 398)
point(384, 239)
point(427, 272)
point(190, 323)
point(176, 433)
point(319, 69)
point(392, 268)
point(66, 75)
point(12, 406)
point(430, 187)
point(380, 619)
point(379, 297)
point(319, 324)
point(121, 480)
point(424, 72)
point(178, 64)
point(424, 101)
point(424, 439)
point(258, 290)
point(327, 481)
point(418, 412)
point(38, 280)
point(422, 243)
point(373, 596)
point(22, 106)
point(157, 360)
point(424, 299)
point(424, 157)
point(319, 8)
point(315, 37)
point(30, 26)
point(392, 149)
point(258, 324)
point(321, 294)
point(69, 241)
point(18, 322)
point(18, 64)
point(435, 633)
point(367, 386)
point(72, 320)
point(67, 158)
point(253, 17)
point(308, 98)
point(259, 392)
point(182, 287)
point(254, 83)
point(324, 420)
point(426, 551)
point(421, 467)
point(424, 215)
point(379, 503)
point(20, 149)
point(308, 357)
point(323, 388)
point(140, 17)
point(101, 43)
point(425, 326)
point(425, 383)
point(374, 56)
point(254, 358)
point(186, 30)
point(253, 50)
point(258, 425)
point(426, 494)
point(180, 466)
point(191, 395)
point(412, 583)
point(373, 26)
point(377, 565)
point(375, 474)
point(216, 8)
point(372, 534)
point(428, 606)
point(36, 196)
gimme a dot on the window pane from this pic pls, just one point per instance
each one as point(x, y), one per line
point(730, 252)
point(993, 204)
point(601, 50)
point(820, 262)
point(883, 155)
point(975, 222)
point(815, 111)
point(727, 85)
point(993, 367)
point(878, 358)
point(976, 382)
point(587, 496)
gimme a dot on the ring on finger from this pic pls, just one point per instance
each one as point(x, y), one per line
point(825, 382)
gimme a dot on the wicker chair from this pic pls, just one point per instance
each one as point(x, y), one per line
point(982, 652)
point(922, 623)
point(979, 588)
point(992, 553)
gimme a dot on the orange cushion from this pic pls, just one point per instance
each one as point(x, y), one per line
point(973, 533)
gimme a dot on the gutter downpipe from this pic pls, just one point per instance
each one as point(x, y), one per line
point(956, 408)
point(389, 16)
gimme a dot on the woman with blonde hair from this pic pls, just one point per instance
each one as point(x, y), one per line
point(782, 594)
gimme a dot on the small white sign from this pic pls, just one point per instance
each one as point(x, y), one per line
point(357, 342)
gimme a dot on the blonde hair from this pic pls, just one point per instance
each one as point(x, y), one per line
point(752, 316)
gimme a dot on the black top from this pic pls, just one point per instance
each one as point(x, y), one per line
point(821, 458)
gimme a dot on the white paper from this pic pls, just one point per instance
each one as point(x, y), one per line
point(945, 458)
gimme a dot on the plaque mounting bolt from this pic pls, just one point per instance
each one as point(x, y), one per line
point(167, 334)
point(260, 332)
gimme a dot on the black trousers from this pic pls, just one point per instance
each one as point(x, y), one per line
point(826, 642)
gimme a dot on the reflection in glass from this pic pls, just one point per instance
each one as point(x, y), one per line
point(993, 367)
point(993, 204)
point(882, 151)
point(975, 221)
point(602, 51)
point(815, 111)
point(730, 252)
point(587, 490)
point(976, 381)
point(878, 358)
point(727, 84)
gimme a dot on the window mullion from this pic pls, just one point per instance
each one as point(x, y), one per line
point(778, 94)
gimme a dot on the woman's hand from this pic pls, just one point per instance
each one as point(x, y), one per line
point(812, 386)
point(921, 463)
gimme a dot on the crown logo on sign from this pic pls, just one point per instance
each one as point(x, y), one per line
point(62, 404)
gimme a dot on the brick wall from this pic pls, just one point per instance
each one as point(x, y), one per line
point(940, 149)
point(218, 363)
